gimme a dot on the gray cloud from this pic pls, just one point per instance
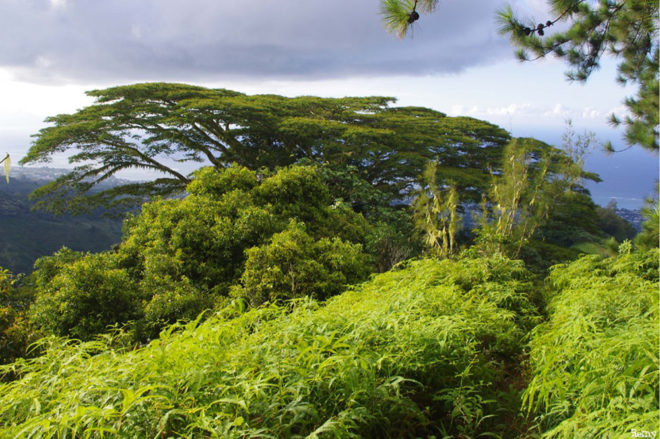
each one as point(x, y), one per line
point(129, 40)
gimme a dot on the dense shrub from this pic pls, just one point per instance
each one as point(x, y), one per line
point(409, 354)
point(204, 237)
point(595, 362)
point(16, 332)
point(294, 265)
point(86, 297)
point(179, 257)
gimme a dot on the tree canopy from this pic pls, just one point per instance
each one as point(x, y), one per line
point(279, 235)
point(141, 125)
point(624, 29)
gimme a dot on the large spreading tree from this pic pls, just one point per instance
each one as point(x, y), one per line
point(148, 125)
point(624, 29)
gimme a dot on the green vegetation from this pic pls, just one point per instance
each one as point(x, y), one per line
point(16, 330)
point(594, 363)
point(331, 293)
point(280, 235)
point(417, 351)
point(650, 235)
point(135, 126)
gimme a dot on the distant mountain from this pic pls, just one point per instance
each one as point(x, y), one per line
point(27, 235)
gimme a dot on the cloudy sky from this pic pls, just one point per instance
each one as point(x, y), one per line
point(454, 61)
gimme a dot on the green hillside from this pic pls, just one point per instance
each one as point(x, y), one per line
point(427, 350)
point(318, 279)
point(27, 235)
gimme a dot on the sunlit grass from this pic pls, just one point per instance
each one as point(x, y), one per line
point(595, 362)
point(415, 352)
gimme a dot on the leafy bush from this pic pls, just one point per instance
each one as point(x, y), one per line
point(86, 297)
point(294, 265)
point(16, 331)
point(391, 237)
point(407, 354)
point(204, 237)
point(180, 256)
point(595, 362)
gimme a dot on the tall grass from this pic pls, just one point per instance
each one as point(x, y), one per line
point(418, 351)
point(595, 362)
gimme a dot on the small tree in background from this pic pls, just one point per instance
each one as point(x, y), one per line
point(519, 200)
point(16, 331)
point(435, 214)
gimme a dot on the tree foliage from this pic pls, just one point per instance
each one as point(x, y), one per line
point(86, 297)
point(612, 224)
point(534, 175)
point(16, 330)
point(624, 29)
point(140, 125)
point(435, 212)
point(179, 257)
point(649, 237)
point(295, 265)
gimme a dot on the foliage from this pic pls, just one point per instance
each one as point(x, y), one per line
point(409, 354)
point(85, 297)
point(574, 218)
point(179, 257)
point(522, 197)
point(204, 236)
point(649, 237)
point(626, 30)
point(517, 199)
point(294, 265)
point(399, 15)
point(612, 224)
point(595, 362)
point(47, 267)
point(16, 332)
point(435, 214)
point(391, 238)
point(137, 126)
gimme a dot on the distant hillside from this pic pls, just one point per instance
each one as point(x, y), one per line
point(27, 235)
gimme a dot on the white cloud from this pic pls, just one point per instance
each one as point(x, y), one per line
point(58, 4)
